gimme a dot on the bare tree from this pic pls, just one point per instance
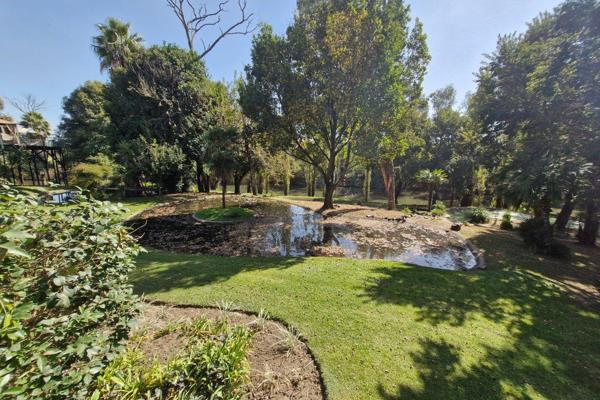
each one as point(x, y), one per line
point(27, 103)
point(195, 18)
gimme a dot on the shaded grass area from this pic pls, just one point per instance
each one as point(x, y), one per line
point(224, 214)
point(385, 330)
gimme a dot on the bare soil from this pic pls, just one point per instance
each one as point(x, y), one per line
point(281, 365)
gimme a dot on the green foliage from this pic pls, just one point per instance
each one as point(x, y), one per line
point(85, 125)
point(115, 45)
point(159, 103)
point(37, 123)
point(224, 214)
point(94, 174)
point(66, 301)
point(211, 365)
point(506, 223)
point(162, 164)
point(538, 234)
point(439, 209)
point(478, 215)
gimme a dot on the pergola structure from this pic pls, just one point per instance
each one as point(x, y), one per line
point(27, 161)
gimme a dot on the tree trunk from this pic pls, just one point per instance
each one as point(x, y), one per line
point(223, 191)
point(398, 191)
point(452, 197)
point(266, 184)
point(430, 199)
point(205, 183)
point(286, 185)
point(237, 183)
point(389, 182)
point(542, 210)
point(367, 184)
point(589, 233)
point(199, 171)
point(565, 213)
point(313, 182)
point(328, 195)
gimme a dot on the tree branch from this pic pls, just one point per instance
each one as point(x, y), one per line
point(200, 18)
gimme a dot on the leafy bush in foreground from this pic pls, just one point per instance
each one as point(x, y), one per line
point(65, 297)
point(210, 365)
point(478, 215)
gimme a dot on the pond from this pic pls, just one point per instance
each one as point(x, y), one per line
point(288, 230)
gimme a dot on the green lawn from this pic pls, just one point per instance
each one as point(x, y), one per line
point(383, 330)
point(224, 214)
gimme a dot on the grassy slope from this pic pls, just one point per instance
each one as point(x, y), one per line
point(384, 330)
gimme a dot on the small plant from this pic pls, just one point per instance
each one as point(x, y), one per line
point(406, 211)
point(211, 365)
point(478, 215)
point(289, 340)
point(506, 223)
point(439, 209)
point(261, 320)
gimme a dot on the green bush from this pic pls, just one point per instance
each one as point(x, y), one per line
point(439, 209)
point(506, 223)
point(65, 297)
point(478, 215)
point(210, 365)
point(94, 174)
point(537, 234)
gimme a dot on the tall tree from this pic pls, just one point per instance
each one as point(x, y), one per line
point(85, 125)
point(310, 90)
point(115, 44)
point(162, 94)
point(395, 107)
point(538, 103)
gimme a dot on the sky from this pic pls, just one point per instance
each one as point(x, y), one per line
point(45, 44)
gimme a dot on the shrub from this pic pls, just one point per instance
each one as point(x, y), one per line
point(478, 215)
point(506, 223)
point(211, 365)
point(65, 297)
point(95, 174)
point(439, 209)
point(538, 235)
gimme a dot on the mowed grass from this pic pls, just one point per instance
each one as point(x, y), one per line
point(382, 330)
point(224, 214)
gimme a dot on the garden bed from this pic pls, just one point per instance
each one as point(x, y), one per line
point(281, 365)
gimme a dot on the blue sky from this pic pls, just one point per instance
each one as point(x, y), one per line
point(45, 44)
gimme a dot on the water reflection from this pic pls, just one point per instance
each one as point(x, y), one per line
point(299, 231)
point(281, 229)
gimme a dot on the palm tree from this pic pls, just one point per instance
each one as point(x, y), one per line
point(37, 123)
point(433, 179)
point(115, 44)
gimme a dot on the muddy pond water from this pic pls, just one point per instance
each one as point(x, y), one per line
point(288, 230)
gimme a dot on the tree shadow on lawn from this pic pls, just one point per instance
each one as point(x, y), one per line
point(162, 271)
point(551, 349)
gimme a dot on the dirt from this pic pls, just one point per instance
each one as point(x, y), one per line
point(346, 231)
point(281, 365)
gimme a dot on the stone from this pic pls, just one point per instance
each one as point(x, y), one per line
point(455, 227)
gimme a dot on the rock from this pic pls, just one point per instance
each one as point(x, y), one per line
point(455, 227)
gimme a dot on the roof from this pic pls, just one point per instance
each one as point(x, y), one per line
point(7, 122)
